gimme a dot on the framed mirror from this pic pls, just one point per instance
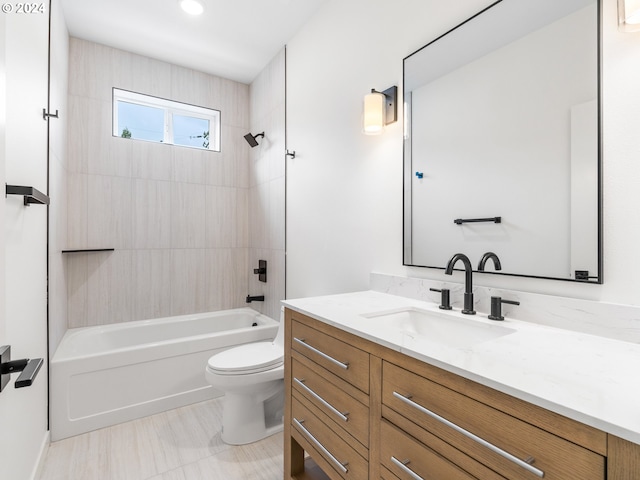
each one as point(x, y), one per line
point(502, 142)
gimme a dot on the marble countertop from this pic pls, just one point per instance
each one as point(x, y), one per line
point(588, 378)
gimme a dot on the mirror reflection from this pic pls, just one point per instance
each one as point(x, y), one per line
point(502, 141)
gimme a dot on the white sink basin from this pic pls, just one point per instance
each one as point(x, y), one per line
point(436, 327)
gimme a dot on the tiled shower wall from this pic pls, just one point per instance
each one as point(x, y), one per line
point(176, 217)
point(267, 185)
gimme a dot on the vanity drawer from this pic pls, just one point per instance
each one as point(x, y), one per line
point(507, 445)
point(347, 412)
point(344, 360)
point(404, 456)
point(322, 442)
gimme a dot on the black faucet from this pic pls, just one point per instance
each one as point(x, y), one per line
point(485, 258)
point(256, 298)
point(468, 282)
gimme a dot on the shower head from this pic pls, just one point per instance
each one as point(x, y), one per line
point(251, 139)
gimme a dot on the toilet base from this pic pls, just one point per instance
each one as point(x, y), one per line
point(247, 418)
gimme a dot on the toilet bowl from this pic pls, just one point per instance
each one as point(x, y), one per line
point(251, 377)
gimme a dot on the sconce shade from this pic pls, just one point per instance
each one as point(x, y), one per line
point(374, 113)
point(629, 15)
point(192, 7)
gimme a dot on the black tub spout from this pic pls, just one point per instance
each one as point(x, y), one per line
point(256, 298)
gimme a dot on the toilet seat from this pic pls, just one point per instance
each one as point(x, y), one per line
point(247, 359)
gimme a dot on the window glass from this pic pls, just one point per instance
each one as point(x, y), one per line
point(190, 131)
point(140, 122)
point(143, 117)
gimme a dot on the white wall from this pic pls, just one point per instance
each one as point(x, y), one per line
point(23, 412)
point(344, 190)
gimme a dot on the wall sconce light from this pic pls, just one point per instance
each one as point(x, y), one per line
point(192, 7)
point(380, 109)
point(629, 15)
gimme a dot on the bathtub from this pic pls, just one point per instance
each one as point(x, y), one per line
point(104, 375)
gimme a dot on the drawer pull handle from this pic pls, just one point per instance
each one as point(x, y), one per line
point(338, 463)
point(340, 364)
point(403, 466)
point(522, 463)
point(342, 416)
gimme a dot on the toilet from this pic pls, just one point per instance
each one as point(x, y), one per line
point(252, 379)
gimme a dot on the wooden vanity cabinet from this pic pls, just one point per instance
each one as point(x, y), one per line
point(362, 411)
point(327, 407)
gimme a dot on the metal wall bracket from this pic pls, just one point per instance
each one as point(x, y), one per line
point(391, 102)
point(29, 368)
point(46, 115)
point(291, 154)
point(31, 195)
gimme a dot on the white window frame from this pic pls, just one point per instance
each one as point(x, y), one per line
point(170, 108)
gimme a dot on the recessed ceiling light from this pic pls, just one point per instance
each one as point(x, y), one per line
point(192, 7)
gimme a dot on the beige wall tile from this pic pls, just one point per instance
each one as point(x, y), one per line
point(191, 86)
point(153, 161)
point(77, 211)
point(151, 284)
point(188, 287)
point(76, 275)
point(148, 200)
point(188, 215)
point(189, 164)
point(276, 229)
point(58, 190)
point(259, 198)
point(266, 209)
point(234, 103)
point(221, 217)
point(109, 287)
point(78, 136)
point(151, 207)
point(109, 212)
point(242, 213)
point(119, 163)
point(230, 167)
point(150, 76)
point(226, 278)
point(90, 73)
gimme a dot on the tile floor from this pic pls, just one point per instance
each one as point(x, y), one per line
point(181, 444)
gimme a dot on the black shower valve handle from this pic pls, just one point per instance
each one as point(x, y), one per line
point(261, 271)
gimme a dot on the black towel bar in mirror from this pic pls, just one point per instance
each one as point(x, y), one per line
point(460, 221)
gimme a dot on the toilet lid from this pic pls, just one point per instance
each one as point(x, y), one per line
point(249, 358)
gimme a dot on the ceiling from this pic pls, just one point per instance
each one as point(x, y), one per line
point(233, 39)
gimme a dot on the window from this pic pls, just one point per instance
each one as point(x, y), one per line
point(154, 119)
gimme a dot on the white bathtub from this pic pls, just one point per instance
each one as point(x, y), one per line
point(105, 375)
